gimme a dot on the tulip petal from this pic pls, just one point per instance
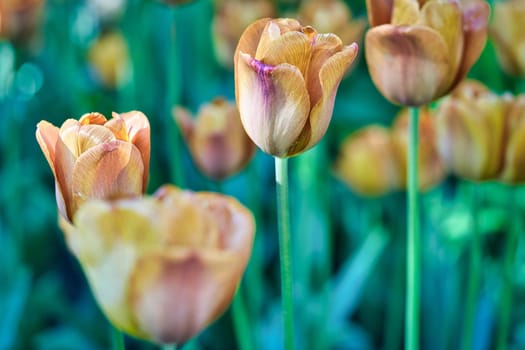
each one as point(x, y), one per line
point(47, 137)
point(330, 76)
point(407, 64)
point(250, 38)
point(174, 296)
point(110, 170)
point(273, 103)
point(475, 18)
point(447, 19)
point(92, 118)
point(379, 11)
point(405, 12)
point(118, 127)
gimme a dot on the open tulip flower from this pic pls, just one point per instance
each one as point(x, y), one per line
point(216, 139)
point(163, 267)
point(471, 131)
point(418, 51)
point(508, 35)
point(96, 158)
point(286, 79)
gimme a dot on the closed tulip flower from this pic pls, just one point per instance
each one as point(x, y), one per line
point(163, 267)
point(368, 163)
point(431, 168)
point(471, 131)
point(19, 19)
point(286, 80)
point(109, 58)
point(508, 35)
point(96, 158)
point(216, 139)
point(418, 51)
point(514, 159)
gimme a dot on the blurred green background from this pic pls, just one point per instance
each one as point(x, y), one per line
point(348, 250)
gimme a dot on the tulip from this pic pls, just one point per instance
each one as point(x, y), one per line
point(508, 36)
point(430, 167)
point(216, 139)
point(163, 267)
point(96, 158)
point(19, 18)
point(513, 171)
point(368, 162)
point(109, 58)
point(286, 79)
point(231, 19)
point(418, 51)
point(471, 131)
point(332, 16)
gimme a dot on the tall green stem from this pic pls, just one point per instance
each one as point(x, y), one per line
point(413, 239)
point(474, 273)
point(241, 323)
point(117, 339)
point(285, 250)
point(508, 276)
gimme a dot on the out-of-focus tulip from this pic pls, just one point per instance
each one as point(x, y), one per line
point(163, 267)
point(286, 80)
point(508, 35)
point(216, 139)
point(514, 159)
point(176, 2)
point(109, 57)
point(368, 162)
point(471, 131)
point(231, 19)
point(418, 51)
point(431, 169)
point(96, 158)
point(332, 16)
point(19, 18)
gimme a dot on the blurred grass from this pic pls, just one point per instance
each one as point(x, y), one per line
point(348, 251)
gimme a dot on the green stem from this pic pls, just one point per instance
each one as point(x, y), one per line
point(117, 339)
point(285, 248)
point(508, 280)
point(474, 274)
point(241, 323)
point(413, 239)
point(169, 347)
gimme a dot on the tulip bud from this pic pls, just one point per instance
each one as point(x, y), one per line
point(368, 163)
point(508, 36)
point(514, 163)
point(96, 158)
point(286, 79)
point(418, 51)
point(471, 131)
point(430, 167)
point(332, 16)
point(109, 57)
point(216, 139)
point(19, 18)
point(163, 267)
point(231, 19)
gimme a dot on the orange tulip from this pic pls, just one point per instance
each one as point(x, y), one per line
point(418, 51)
point(513, 171)
point(471, 131)
point(19, 18)
point(231, 19)
point(368, 162)
point(96, 158)
point(286, 80)
point(162, 268)
point(431, 169)
point(508, 35)
point(216, 139)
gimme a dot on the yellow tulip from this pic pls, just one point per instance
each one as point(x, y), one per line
point(286, 80)
point(513, 171)
point(163, 267)
point(231, 19)
point(418, 51)
point(368, 162)
point(96, 158)
point(471, 131)
point(216, 139)
point(508, 35)
point(431, 168)
point(109, 58)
